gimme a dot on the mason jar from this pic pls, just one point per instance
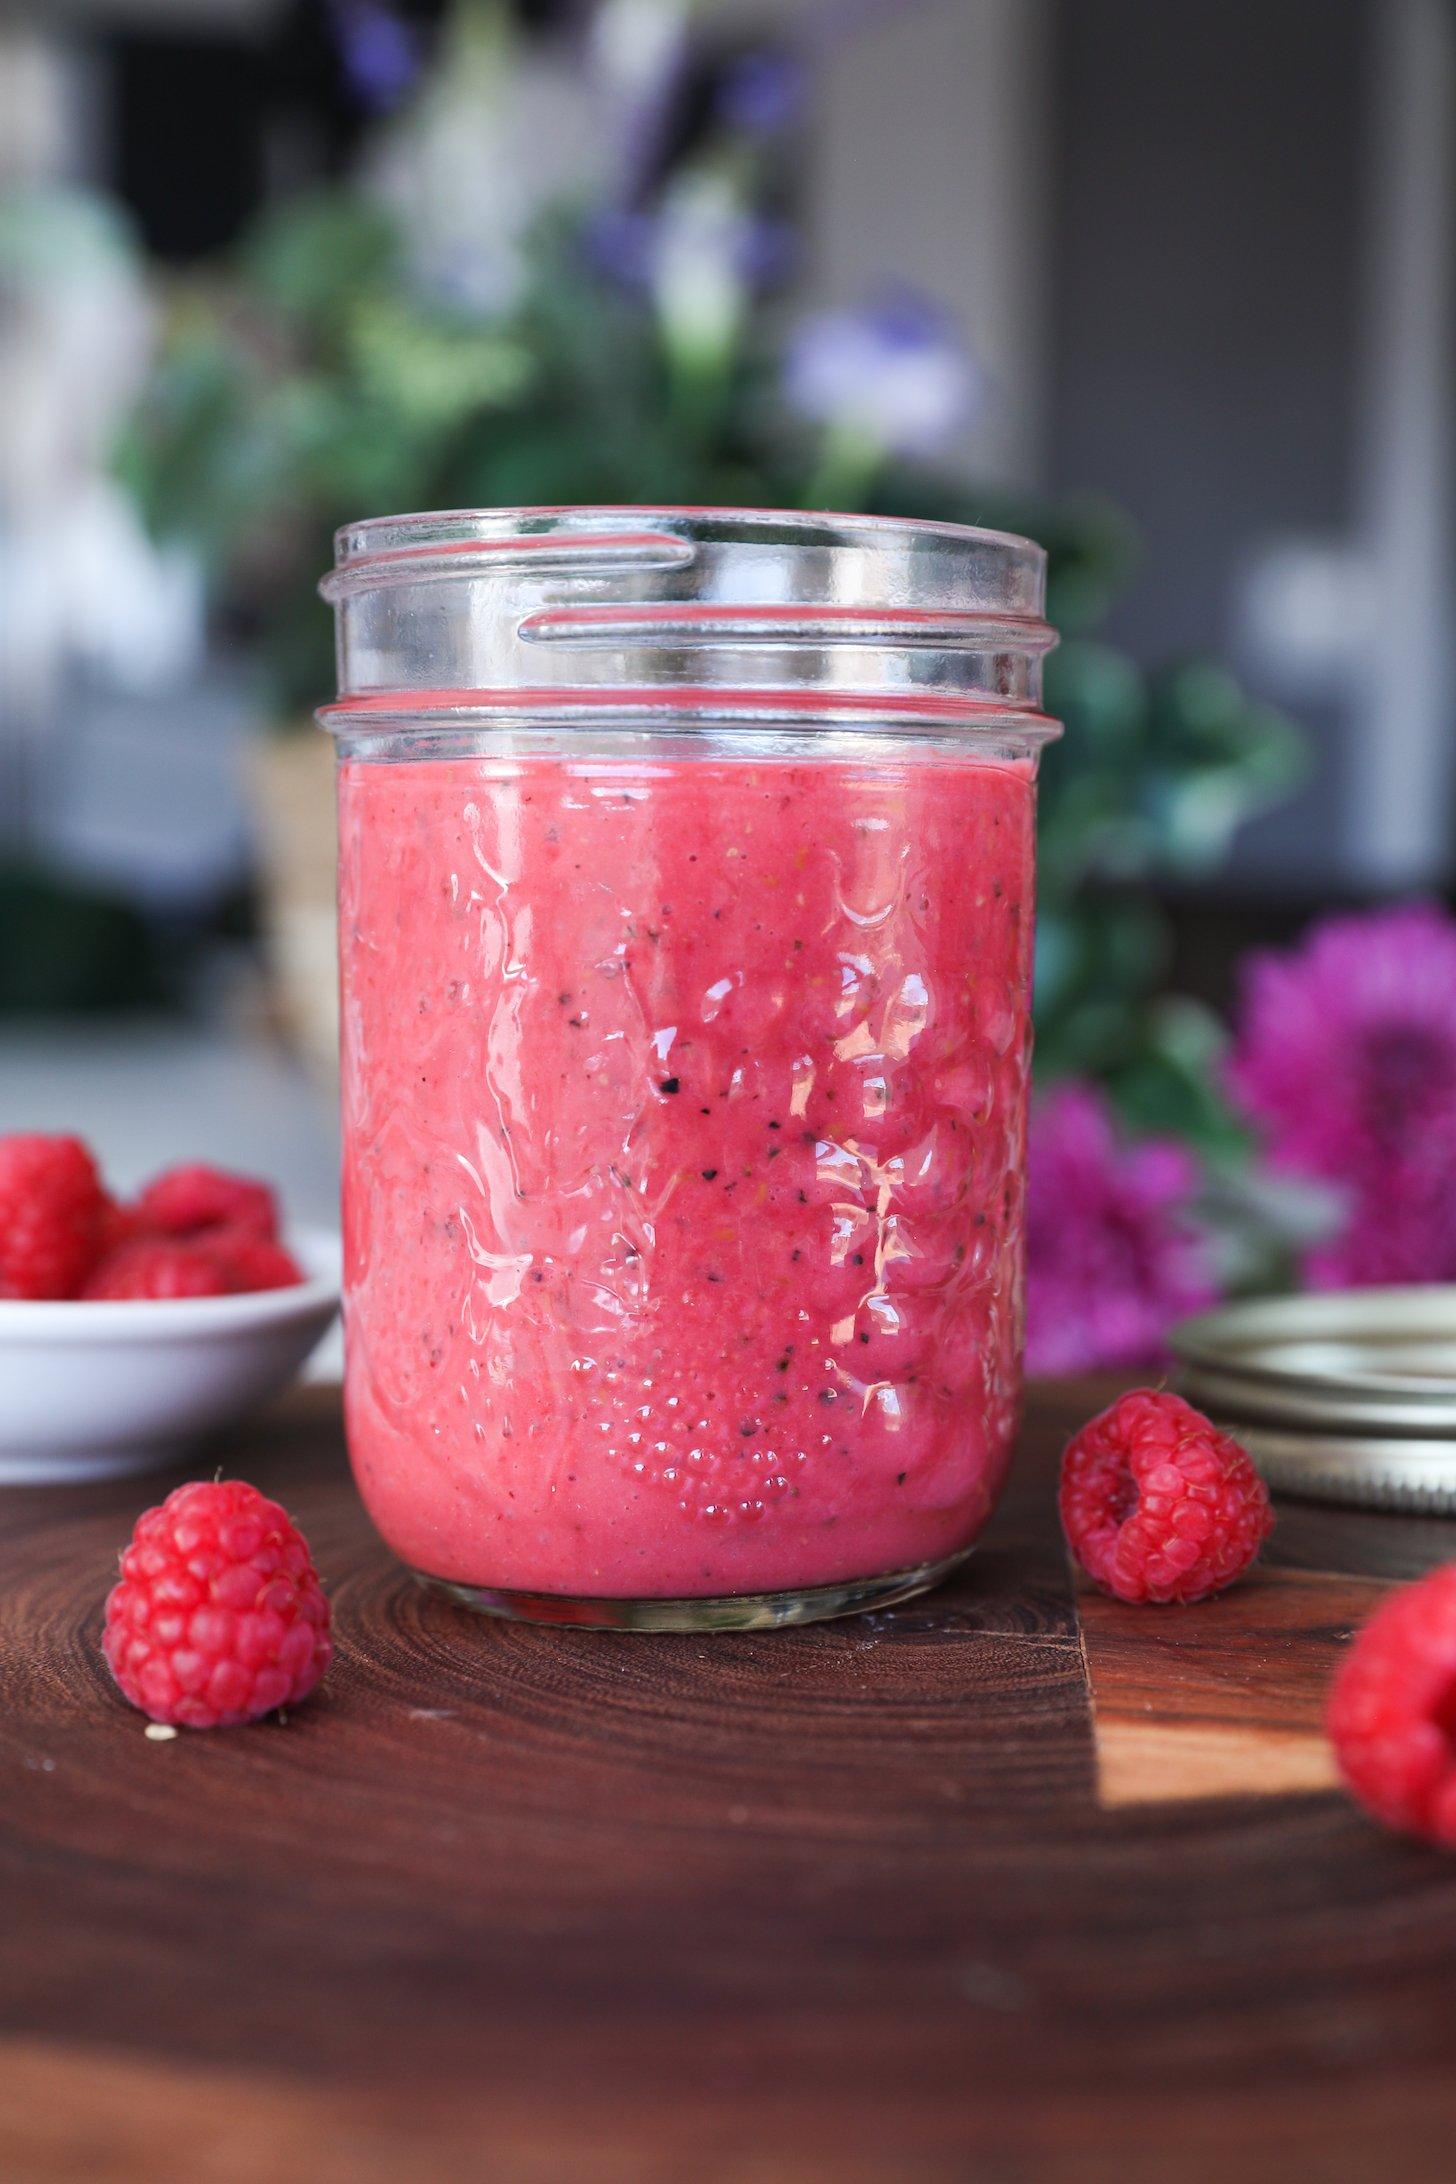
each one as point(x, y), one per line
point(685, 918)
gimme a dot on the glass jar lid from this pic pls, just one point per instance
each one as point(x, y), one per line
point(1338, 1395)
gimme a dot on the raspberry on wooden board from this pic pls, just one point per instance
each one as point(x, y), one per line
point(1158, 1505)
point(1392, 1710)
point(218, 1617)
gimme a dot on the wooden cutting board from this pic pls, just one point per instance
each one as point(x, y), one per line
point(1008, 1883)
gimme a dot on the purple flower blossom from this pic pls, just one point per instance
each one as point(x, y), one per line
point(762, 93)
point(380, 52)
point(628, 248)
point(1398, 1226)
point(1346, 1058)
point(1113, 1257)
point(893, 374)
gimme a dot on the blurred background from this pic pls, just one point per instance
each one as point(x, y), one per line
point(1170, 288)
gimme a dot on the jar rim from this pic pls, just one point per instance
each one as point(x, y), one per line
point(377, 536)
point(688, 615)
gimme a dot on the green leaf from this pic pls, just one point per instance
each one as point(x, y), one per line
point(313, 256)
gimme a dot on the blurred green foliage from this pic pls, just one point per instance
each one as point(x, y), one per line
point(75, 950)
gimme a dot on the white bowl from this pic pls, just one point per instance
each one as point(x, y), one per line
point(95, 1390)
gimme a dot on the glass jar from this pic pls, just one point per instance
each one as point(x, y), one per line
point(685, 907)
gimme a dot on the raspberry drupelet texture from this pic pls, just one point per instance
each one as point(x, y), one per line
point(1392, 1711)
point(191, 1200)
point(219, 1616)
point(150, 1268)
point(1158, 1505)
point(52, 1207)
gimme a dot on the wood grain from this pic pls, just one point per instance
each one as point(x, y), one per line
point(1223, 1699)
point(512, 1903)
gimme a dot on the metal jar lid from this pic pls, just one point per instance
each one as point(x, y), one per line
point(1345, 1396)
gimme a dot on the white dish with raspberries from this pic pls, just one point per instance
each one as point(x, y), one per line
point(96, 1389)
point(129, 1332)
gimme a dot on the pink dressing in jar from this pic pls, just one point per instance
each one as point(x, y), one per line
point(685, 1052)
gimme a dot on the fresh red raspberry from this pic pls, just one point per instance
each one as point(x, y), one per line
point(119, 1225)
point(191, 1200)
point(152, 1267)
point(51, 1209)
point(247, 1261)
point(219, 1616)
point(1392, 1710)
point(1159, 1505)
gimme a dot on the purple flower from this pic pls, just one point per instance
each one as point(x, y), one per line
point(629, 248)
point(381, 53)
point(1346, 1058)
point(1113, 1257)
point(1398, 1226)
point(893, 374)
point(618, 245)
point(762, 93)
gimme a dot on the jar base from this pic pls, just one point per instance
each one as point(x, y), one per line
point(727, 1611)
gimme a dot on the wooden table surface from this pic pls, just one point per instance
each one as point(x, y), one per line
point(998, 1885)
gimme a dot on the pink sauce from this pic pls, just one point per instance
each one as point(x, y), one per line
point(684, 1120)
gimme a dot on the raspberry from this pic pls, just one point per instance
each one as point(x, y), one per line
point(1392, 1710)
point(191, 1200)
point(1159, 1505)
point(219, 1616)
point(119, 1225)
point(247, 1261)
point(51, 1209)
point(152, 1267)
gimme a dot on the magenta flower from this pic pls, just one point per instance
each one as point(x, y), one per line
point(1346, 1059)
point(1113, 1256)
